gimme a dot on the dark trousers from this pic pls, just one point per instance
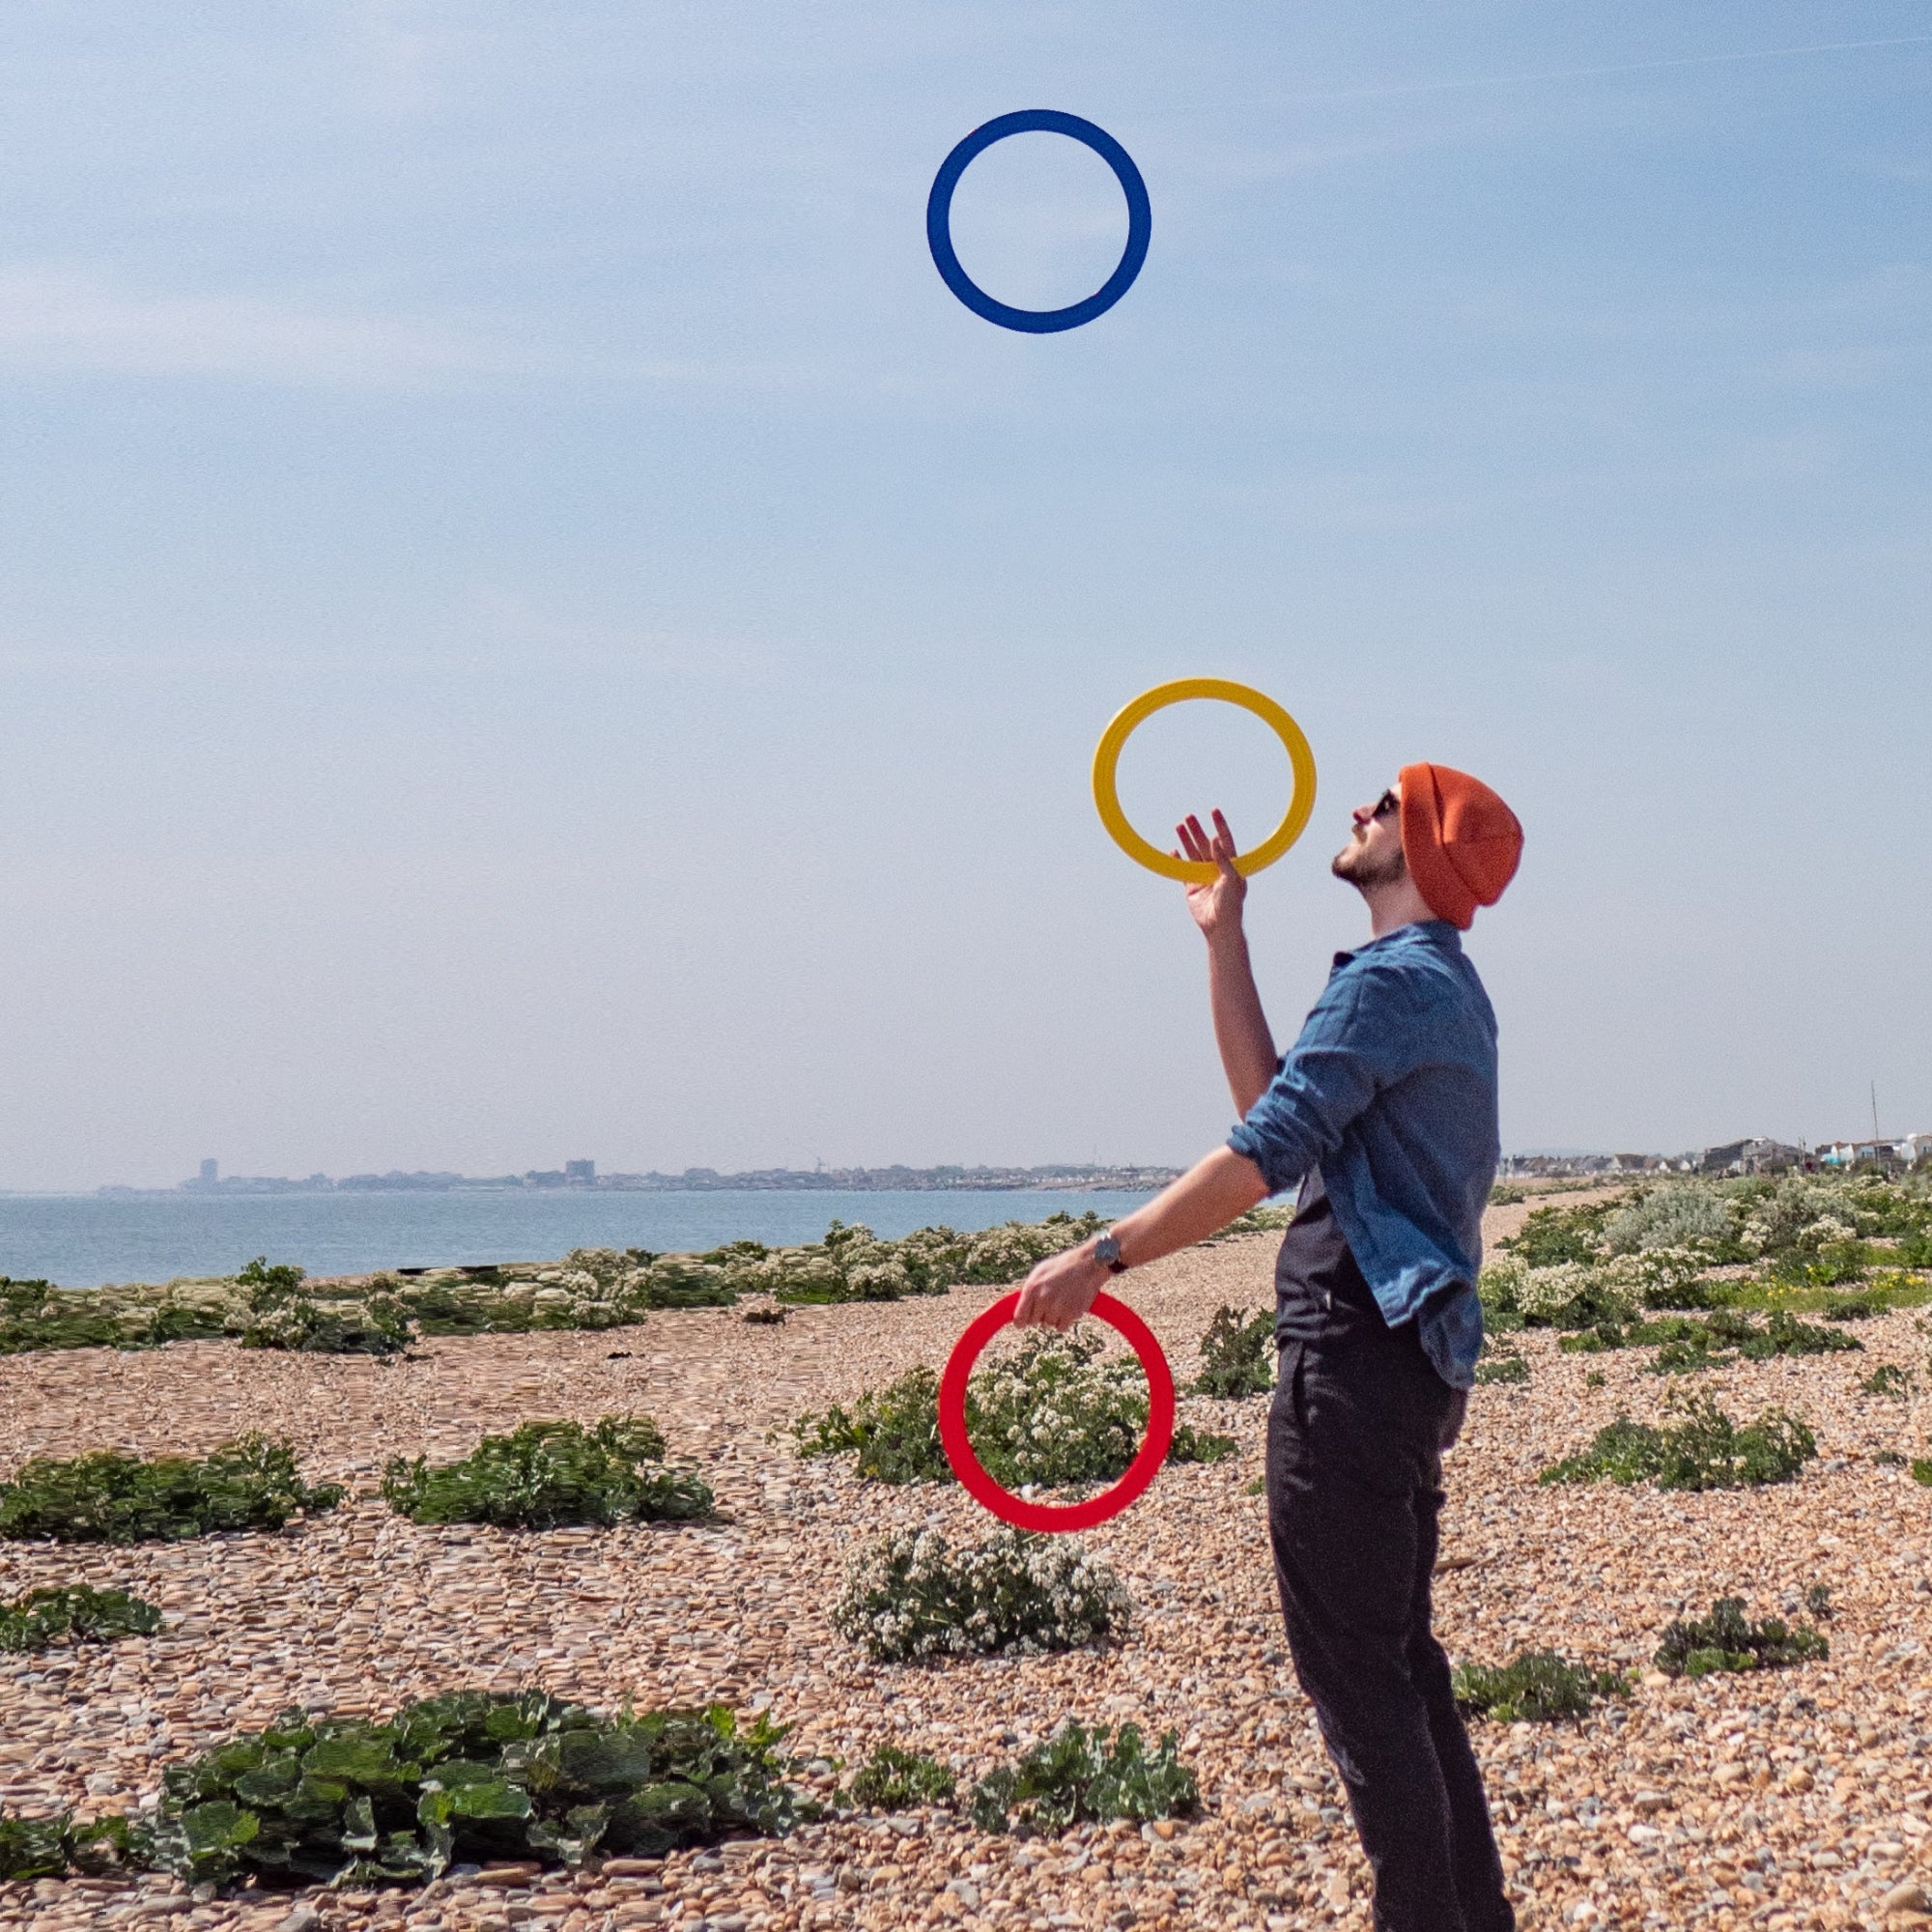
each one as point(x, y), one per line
point(1354, 1492)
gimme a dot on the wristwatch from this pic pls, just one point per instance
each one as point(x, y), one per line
point(1107, 1251)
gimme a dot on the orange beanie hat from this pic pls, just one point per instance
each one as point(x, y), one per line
point(1461, 841)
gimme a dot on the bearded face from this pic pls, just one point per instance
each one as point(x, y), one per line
point(1374, 857)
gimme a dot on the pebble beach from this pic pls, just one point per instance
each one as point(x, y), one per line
point(1787, 1799)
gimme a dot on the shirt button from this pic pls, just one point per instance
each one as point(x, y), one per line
point(1327, 1298)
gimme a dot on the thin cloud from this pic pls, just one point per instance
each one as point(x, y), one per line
point(1396, 88)
point(65, 319)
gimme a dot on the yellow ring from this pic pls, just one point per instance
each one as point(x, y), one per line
point(1194, 871)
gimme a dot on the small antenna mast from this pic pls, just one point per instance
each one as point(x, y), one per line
point(1874, 1098)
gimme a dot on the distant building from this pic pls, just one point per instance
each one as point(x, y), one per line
point(579, 1173)
point(1750, 1156)
point(211, 1173)
point(1908, 1150)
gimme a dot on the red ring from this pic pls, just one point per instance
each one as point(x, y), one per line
point(1056, 1516)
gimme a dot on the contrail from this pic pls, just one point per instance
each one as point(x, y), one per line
point(1632, 66)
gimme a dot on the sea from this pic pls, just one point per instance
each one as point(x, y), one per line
point(84, 1241)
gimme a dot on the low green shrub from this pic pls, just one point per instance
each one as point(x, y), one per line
point(1048, 1414)
point(57, 1847)
point(1080, 1775)
point(1726, 1640)
point(1853, 1307)
point(1502, 1362)
point(1783, 1334)
point(1704, 1451)
point(894, 1431)
point(1594, 1340)
point(1726, 1335)
point(283, 1315)
point(912, 1596)
point(1535, 1686)
point(1829, 1264)
point(107, 1498)
point(1887, 1378)
point(37, 1314)
point(467, 1776)
point(546, 1475)
point(73, 1614)
point(1921, 1471)
point(1550, 1236)
point(1678, 1296)
point(1691, 1353)
point(893, 1779)
point(1237, 1354)
point(267, 1284)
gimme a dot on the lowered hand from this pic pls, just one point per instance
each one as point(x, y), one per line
point(1060, 1290)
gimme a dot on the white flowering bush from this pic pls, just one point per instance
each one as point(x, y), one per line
point(1675, 1215)
point(1049, 1413)
point(912, 1597)
point(1567, 1294)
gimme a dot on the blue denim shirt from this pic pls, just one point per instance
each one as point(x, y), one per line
point(1391, 1092)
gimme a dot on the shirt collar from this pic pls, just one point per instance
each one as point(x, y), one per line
point(1417, 932)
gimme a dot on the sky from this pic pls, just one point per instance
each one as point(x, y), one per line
point(534, 626)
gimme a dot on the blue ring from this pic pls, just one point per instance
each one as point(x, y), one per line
point(939, 220)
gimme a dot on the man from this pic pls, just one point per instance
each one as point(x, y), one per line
point(1384, 1111)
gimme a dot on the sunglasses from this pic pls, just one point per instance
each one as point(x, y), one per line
point(1390, 801)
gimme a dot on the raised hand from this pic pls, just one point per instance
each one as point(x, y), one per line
point(1216, 904)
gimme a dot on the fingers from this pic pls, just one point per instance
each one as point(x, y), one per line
point(1194, 841)
point(1222, 850)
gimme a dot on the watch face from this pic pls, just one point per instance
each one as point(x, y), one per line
point(1107, 1250)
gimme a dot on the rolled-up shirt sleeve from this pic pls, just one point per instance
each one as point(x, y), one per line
point(1354, 1042)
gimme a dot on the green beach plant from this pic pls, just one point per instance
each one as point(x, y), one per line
point(893, 1779)
point(73, 1614)
point(470, 1776)
point(1080, 1775)
point(1237, 1354)
point(1535, 1686)
point(544, 1475)
point(1703, 1451)
point(1888, 1378)
point(282, 1314)
point(56, 1847)
point(1727, 1640)
point(107, 1498)
point(1502, 1362)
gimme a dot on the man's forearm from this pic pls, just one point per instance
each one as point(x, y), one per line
point(1211, 1193)
point(1240, 1027)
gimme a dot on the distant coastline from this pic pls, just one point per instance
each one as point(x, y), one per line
point(582, 1176)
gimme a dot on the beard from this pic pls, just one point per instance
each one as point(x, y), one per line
point(1365, 874)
